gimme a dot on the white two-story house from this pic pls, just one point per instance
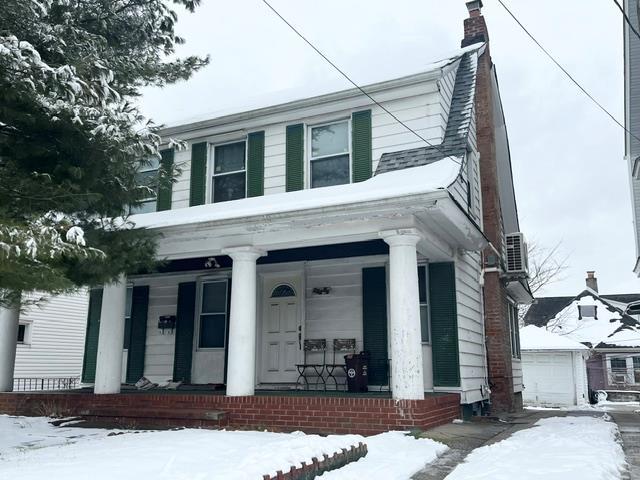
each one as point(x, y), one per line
point(327, 219)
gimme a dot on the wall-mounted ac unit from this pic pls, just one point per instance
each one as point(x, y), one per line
point(517, 259)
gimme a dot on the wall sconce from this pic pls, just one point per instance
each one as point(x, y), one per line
point(321, 290)
point(211, 263)
point(167, 322)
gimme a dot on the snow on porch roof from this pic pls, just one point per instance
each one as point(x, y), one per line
point(397, 184)
point(537, 338)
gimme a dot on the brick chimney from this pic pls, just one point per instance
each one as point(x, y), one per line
point(475, 28)
point(592, 281)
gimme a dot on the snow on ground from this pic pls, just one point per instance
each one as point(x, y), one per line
point(556, 448)
point(23, 433)
point(392, 456)
point(31, 448)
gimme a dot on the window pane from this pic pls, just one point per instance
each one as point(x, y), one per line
point(229, 158)
point(424, 323)
point(422, 284)
point(229, 187)
point(148, 206)
point(636, 362)
point(619, 365)
point(127, 333)
point(330, 139)
point(330, 171)
point(22, 329)
point(212, 330)
point(214, 297)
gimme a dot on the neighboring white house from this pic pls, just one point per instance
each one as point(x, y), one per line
point(50, 343)
point(554, 369)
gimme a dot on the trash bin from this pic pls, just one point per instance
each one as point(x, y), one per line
point(357, 366)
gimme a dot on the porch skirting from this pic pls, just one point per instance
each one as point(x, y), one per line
point(311, 414)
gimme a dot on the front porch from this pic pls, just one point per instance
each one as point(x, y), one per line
point(325, 413)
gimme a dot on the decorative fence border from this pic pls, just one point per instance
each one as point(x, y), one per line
point(31, 384)
point(318, 467)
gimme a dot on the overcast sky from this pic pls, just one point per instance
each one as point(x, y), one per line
point(570, 178)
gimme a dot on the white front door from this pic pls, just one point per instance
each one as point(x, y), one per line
point(281, 329)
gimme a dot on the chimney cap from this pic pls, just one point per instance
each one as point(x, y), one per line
point(474, 6)
point(591, 273)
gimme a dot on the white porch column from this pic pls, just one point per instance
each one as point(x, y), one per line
point(8, 339)
point(407, 381)
point(111, 338)
point(241, 362)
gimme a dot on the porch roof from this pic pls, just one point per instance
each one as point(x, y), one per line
point(411, 198)
point(425, 179)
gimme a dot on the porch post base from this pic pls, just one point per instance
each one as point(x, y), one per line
point(9, 320)
point(407, 381)
point(241, 362)
point(111, 338)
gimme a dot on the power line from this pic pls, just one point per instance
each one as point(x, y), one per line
point(626, 18)
point(339, 70)
point(564, 70)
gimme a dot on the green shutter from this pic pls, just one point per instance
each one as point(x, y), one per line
point(444, 324)
point(135, 355)
point(166, 185)
point(91, 337)
point(198, 174)
point(255, 165)
point(295, 157)
point(361, 145)
point(374, 323)
point(184, 332)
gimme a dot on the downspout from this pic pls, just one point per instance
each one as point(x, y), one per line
point(485, 388)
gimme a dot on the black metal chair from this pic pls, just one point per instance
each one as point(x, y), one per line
point(307, 370)
point(341, 347)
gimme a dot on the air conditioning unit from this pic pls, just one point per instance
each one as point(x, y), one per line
point(517, 260)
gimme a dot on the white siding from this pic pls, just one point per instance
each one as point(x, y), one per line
point(473, 372)
point(516, 365)
point(423, 107)
point(56, 338)
point(180, 192)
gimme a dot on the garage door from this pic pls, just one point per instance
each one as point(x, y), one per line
point(548, 379)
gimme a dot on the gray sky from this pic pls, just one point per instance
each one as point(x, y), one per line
point(570, 177)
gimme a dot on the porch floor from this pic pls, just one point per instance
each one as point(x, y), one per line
point(311, 411)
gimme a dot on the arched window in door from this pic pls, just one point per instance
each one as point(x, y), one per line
point(283, 290)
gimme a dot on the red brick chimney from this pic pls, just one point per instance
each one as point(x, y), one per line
point(496, 305)
point(475, 28)
point(592, 281)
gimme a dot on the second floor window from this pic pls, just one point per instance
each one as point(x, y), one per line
point(147, 176)
point(229, 175)
point(330, 160)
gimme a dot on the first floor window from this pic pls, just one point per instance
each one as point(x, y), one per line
point(619, 366)
point(424, 304)
point(22, 333)
point(636, 369)
point(512, 311)
point(229, 177)
point(147, 178)
point(330, 160)
point(213, 314)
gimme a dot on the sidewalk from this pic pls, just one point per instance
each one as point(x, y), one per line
point(629, 425)
point(463, 438)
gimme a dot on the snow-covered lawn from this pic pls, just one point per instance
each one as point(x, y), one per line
point(32, 449)
point(556, 448)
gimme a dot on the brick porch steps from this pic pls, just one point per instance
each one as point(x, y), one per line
point(311, 414)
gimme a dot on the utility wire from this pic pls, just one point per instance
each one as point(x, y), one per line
point(339, 70)
point(626, 18)
point(564, 70)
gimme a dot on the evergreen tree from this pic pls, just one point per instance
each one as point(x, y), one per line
point(72, 139)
